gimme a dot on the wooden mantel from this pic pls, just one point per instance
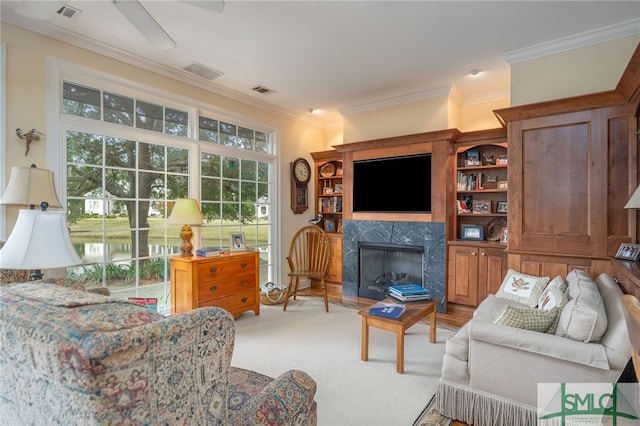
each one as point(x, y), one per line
point(436, 143)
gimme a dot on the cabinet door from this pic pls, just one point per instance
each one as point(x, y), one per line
point(462, 282)
point(335, 266)
point(492, 267)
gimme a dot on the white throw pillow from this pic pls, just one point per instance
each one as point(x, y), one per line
point(584, 317)
point(552, 298)
point(559, 283)
point(522, 288)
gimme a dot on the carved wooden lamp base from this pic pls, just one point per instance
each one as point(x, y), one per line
point(186, 247)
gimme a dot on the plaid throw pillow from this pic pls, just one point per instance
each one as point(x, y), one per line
point(527, 318)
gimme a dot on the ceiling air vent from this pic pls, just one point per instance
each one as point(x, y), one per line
point(202, 71)
point(69, 12)
point(263, 90)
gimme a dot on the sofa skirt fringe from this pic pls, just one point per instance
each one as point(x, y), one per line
point(479, 409)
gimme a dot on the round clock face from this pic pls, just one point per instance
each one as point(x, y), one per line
point(301, 170)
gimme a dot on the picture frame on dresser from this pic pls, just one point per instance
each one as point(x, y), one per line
point(471, 232)
point(501, 207)
point(237, 241)
point(628, 252)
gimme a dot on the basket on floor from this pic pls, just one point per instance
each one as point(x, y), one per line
point(272, 294)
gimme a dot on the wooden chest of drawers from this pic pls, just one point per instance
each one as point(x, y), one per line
point(230, 281)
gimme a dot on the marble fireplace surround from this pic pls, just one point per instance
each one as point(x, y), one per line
point(429, 235)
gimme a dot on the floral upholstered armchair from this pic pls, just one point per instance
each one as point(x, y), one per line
point(74, 357)
point(13, 275)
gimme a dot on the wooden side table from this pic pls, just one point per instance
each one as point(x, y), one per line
point(415, 312)
point(230, 281)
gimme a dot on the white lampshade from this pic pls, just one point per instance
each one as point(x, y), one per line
point(39, 240)
point(634, 201)
point(29, 186)
point(185, 212)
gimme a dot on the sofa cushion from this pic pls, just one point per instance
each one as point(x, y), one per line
point(528, 318)
point(552, 298)
point(522, 288)
point(584, 317)
point(559, 283)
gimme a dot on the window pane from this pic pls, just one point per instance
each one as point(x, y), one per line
point(248, 192)
point(245, 138)
point(149, 116)
point(84, 181)
point(230, 190)
point(262, 143)
point(120, 183)
point(211, 213)
point(176, 122)
point(210, 164)
point(263, 172)
point(249, 170)
point(118, 109)
point(151, 157)
point(120, 153)
point(208, 130)
point(177, 187)
point(230, 167)
point(231, 212)
point(80, 101)
point(84, 148)
point(210, 189)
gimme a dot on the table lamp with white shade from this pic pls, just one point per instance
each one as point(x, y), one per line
point(185, 212)
point(29, 186)
point(634, 201)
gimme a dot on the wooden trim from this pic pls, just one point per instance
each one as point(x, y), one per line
point(449, 134)
point(629, 84)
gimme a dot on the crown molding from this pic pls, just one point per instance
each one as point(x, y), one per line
point(400, 100)
point(487, 97)
point(71, 38)
point(576, 41)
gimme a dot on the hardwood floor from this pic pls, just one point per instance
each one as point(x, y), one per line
point(335, 296)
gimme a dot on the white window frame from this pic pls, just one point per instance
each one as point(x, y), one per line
point(59, 70)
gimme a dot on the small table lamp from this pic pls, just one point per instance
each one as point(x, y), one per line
point(39, 240)
point(186, 212)
point(29, 186)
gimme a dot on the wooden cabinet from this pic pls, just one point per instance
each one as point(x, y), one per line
point(474, 271)
point(230, 281)
point(335, 266)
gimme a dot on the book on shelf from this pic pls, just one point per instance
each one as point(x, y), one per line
point(409, 299)
point(387, 310)
point(407, 289)
point(208, 251)
point(150, 303)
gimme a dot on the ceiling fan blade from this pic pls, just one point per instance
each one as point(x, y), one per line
point(212, 5)
point(144, 22)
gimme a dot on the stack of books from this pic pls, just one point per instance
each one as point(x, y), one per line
point(387, 310)
point(409, 293)
point(208, 251)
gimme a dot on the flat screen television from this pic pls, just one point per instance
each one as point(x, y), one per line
point(393, 185)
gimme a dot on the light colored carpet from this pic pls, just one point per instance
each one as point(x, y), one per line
point(327, 347)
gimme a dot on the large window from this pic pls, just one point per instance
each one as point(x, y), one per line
point(124, 174)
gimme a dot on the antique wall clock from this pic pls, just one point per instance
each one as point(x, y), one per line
point(300, 176)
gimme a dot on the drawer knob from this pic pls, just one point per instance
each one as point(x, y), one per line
point(244, 265)
point(244, 282)
point(213, 270)
point(244, 300)
point(213, 288)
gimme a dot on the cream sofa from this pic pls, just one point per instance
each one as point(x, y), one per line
point(71, 357)
point(490, 371)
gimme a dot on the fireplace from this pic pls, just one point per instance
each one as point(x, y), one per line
point(428, 236)
point(384, 265)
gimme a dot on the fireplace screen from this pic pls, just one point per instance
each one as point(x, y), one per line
point(383, 265)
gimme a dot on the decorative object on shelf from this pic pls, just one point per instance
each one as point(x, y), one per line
point(471, 232)
point(237, 241)
point(481, 207)
point(338, 188)
point(32, 135)
point(501, 207)
point(502, 184)
point(339, 229)
point(327, 190)
point(339, 171)
point(461, 207)
point(316, 220)
point(628, 252)
point(495, 227)
point(467, 199)
point(489, 160)
point(504, 236)
point(327, 170)
point(473, 158)
point(186, 212)
point(300, 176)
point(39, 240)
point(502, 160)
point(329, 225)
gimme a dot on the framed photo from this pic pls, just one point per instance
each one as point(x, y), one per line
point(471, 232)
point(628, 252)
point(502, 160)
point(327, 190)
point(481, 207)
point(329, 225)
point(237, 242)
point(473, 158)
point(338, 187)
point(501, 207)
point(504, 236)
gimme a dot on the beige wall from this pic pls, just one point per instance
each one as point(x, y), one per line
point(590, 69)
point(26, 55)
point(480, 116)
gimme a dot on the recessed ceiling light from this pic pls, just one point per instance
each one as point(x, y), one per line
point(474, 72)
point(311, 110)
